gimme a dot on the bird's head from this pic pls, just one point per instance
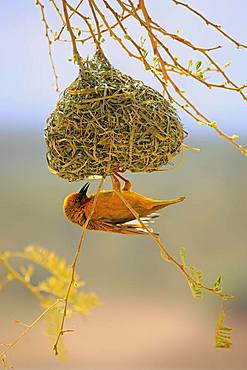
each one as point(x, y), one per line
point(74, 203)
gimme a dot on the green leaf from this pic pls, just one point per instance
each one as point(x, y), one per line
point(195, 290)
point(217, 284)
point(195, 287)
point(212, 124)
point(183, 256)
point(198, 64)
point(164, 255)
point(84, 302)
point(200, 75)
point(142, 41)
point(190, 63)
point(127, 36)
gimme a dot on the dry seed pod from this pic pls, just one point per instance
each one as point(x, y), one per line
point(106, 120)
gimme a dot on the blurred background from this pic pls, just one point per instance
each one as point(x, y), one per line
point(149, 319)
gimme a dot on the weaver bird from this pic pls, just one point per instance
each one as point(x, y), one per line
point(110, 213)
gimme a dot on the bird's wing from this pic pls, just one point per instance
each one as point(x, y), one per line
point(127, 228)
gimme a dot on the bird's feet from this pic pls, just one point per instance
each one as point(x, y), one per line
point(116, 183)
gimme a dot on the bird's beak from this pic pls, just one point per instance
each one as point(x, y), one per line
point(83, 191)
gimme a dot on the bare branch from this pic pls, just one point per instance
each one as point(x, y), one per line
point(28, 328)
point(153, 40)
point(47, 29)
point(209, 23)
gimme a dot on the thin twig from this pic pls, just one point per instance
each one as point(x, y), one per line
point(27, 329)
point(112, 33)
point(76, 55)
point(57, 10)
point(88, 25)
point(209, 23)
point(123, 17)
point(180, 39)
point(64, 25)
point(97, 26)
point(153, 40)
point(47, 29)
point(66, 298)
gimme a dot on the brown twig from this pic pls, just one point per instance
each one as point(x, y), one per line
point(123, 17)
point(27, 329)
point(76, 55)
point(91, 30)
point(97, 26)
point(112, 33)
point(142, 55)
point(180, 39)
point(209, 23)
point(47, 29)
point(64, 25)
point(58, 10)
point(153, 40)
point(73, 267)
point(88, 25)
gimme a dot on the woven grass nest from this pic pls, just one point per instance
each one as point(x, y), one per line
point(105, 121)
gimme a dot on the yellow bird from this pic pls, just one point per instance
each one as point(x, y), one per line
point(110, 213)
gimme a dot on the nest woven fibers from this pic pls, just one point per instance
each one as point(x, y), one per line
point(105, 121)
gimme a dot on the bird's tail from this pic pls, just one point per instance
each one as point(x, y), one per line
point(159, 204)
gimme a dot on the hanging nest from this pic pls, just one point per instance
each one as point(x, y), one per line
point(106, 120)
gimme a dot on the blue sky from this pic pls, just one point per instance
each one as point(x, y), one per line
point(27, 95)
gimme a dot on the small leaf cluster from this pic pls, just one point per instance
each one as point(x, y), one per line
point(52, 287)
point(196, 282)
point(222, 333)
